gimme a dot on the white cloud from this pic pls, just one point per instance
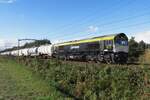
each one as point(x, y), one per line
point(92, 29)
point(7, 43)
point(7, 1)
point(145, 36)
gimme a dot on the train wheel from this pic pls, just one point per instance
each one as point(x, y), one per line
point(99, 59)
point(108, 59)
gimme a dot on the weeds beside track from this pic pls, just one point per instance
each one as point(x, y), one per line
point(92, 81)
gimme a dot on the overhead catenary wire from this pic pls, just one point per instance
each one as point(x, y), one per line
point(112, 22)
point(55, 35)
point(88, 19)
point(85, 18)
point(131, 25)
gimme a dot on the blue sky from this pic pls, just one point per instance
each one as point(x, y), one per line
point(62, 20)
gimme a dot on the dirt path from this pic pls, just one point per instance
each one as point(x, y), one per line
point(18, 83)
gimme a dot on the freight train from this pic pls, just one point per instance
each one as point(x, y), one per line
point(109, 48)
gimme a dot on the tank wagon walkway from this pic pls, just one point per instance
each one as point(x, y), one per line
point(18, 83)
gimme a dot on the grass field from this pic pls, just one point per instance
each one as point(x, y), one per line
point(34, 79)
point(19, 83)
point(91, 81)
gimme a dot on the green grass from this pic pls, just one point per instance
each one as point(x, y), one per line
point(19, 83)
point(92, 81)
point(38, 79)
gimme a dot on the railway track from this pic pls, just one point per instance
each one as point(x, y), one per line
point(82, 62)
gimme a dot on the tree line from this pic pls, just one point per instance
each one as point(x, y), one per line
point(136, 49)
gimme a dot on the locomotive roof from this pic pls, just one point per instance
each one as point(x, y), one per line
point(93, 39)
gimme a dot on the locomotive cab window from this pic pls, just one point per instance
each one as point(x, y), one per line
point(121, 40)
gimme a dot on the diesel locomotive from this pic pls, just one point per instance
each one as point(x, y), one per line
point(108, 48)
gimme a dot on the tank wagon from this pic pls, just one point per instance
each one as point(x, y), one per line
point(33, 51)
point(14, 53)
point(109, 48)
point(6, 53)
point(45, 51)
point(24, 52)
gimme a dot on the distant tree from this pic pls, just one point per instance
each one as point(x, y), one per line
point(133, 50)
point(142, 46)
point(147, 46)
point(37, 43)
point(136, 49)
